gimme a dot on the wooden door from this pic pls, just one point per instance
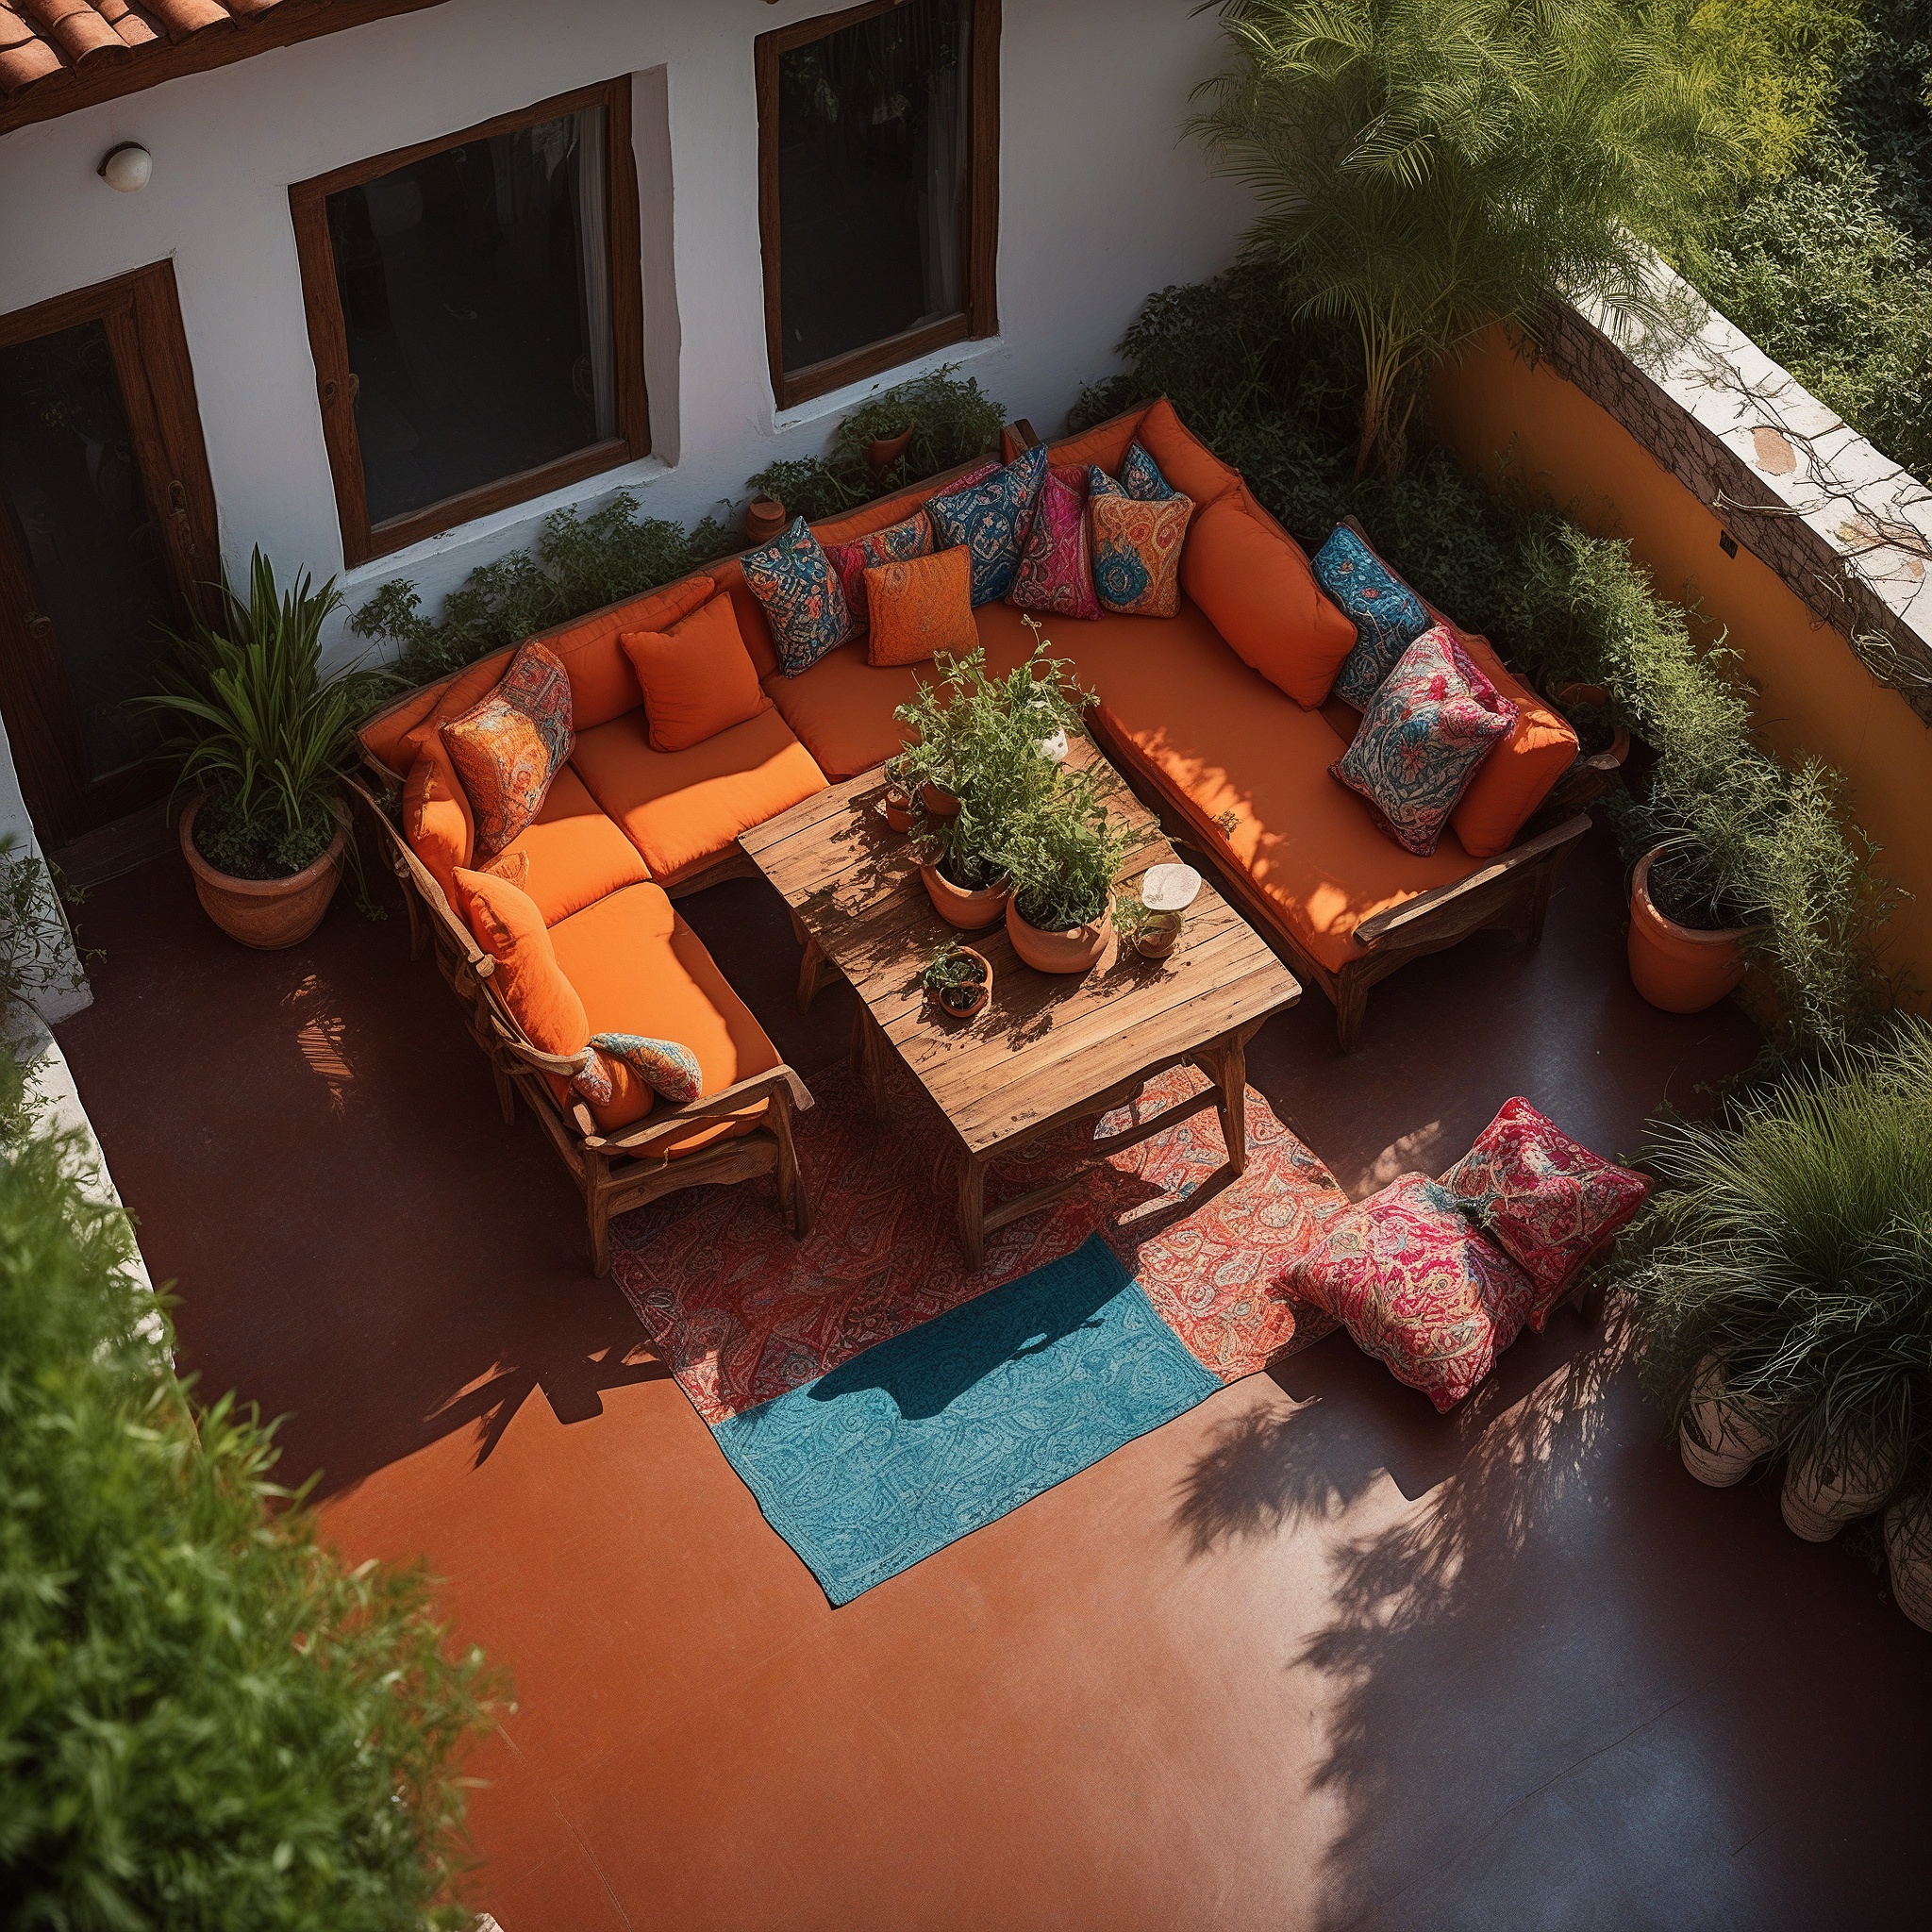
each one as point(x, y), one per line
point(107, 533)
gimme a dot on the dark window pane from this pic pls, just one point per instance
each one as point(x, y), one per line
point(871, 179)
point(476, 289)
point(70, 487)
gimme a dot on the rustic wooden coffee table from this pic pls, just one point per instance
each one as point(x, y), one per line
point(1048, 1048)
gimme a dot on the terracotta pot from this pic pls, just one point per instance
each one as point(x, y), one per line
point(1078, 951)
point(1836, 1483)
point(984, 992)
point(886, 450)
point(939, 802)
point(1721, 1437)
point(895, 807)
point(764, 517)
point(1908, 1548)
point(266, 913)
point(969, 911)
point(1564, 695)
point(1673, 967)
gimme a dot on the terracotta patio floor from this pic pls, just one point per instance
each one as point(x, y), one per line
point(1309, 1656)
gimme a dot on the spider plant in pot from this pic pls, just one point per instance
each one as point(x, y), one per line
point(1062, 856)
point(957, 980)
point(263, 739)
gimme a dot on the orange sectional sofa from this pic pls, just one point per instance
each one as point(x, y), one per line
point(1237, 767)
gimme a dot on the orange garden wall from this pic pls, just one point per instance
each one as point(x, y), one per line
point(1814, 695)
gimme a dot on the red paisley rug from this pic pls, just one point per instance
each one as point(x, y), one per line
point(741, 1312)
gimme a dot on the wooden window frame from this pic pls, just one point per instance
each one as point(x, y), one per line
point(328, 337)
point(980, 315)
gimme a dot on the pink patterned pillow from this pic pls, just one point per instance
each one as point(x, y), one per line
point(1055, 570)
point(898, 543)
point(1417, 1288)
point(508, 747)
point(1544, 1199)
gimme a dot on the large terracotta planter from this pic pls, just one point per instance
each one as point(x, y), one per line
point(266, 913)
point(1836, 1483)
point(969, 911)
point(1909, 1547)
point(1673, 967)
point(1078, 951)
point(1722, 1436)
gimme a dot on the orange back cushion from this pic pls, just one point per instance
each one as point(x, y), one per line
point(922, 606)
point(1518, 774)
point(697, 678)
point(511, 929)
point(1256, 588)
point(396, 735)
point(435, 817)
point(602, 684)
point(1185, 461)
point(1105, 445)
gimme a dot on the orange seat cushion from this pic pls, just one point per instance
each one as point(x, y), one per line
point(1248, 768)
point(921, 607)
point(603, 686)
point(575, 853)
point(697, 676)
point(639, 968)
point(537, 991)
point(1256, 589)
point(684, 808)
point(436, 816)
point(1516, 776)
point(1186, 463)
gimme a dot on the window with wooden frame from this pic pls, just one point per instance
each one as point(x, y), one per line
point(879, 188)
point(476, 310)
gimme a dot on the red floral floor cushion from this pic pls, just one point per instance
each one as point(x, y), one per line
point(1417, 1288)
point(1544, 1199)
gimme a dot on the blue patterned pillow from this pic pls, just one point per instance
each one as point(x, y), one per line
point(1140, 477)
point(1100, 484)
point(993, 520)
point(1386, 614)
point(799, 589)
point(1429, 725)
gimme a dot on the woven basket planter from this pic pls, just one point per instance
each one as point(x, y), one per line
point(1721, 1437)
point(1908, 1546)
point(1837, 1482)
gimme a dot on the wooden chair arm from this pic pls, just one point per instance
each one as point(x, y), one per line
point(413, 873)
point(1371, 931)
point(726, 1100)
point(1023, 435)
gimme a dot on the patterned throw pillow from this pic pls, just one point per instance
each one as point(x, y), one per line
point(1100, 484)
point(1055, 570)
point(1417, 1288)
point(922, 607)
point(1388, 616)
point(897, 544)
point(800, 594)
point(662, 1065)
point(1140, 476)
point(991, 522)
point(1429, 725)
point(1137, 552)
point(1544, 1199)
point(508, 748)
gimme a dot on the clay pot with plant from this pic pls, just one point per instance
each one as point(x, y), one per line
point(1685, 954)
point(895, 805)
point(1062, 856)
point(1909, 1555)
point(958, 981)
point(1722, 1435)
point(262, 741)
point(764, 518)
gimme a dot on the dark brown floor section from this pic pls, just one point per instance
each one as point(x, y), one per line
point(1309, 1656)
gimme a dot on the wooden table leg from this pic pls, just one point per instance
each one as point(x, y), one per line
point(814, 969)
point(869, 1050)
point(972, 1212)
point(1231, 1076)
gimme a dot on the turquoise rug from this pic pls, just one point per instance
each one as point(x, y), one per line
point(905, 1448)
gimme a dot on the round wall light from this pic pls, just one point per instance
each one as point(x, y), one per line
point(127, 167)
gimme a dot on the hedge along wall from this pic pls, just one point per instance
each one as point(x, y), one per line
point(1641, 457)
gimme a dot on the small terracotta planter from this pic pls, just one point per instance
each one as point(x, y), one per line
point(981, 993)
point(937, 801)
point(1721, 1437)
point(1564, 695)
point(1158, 936)
point(895, 807)
point(1078, 951)
point(1836, 1483)
point(1908, 1549)
point(266, 913)
point(764, 517)
point(1675, 967)
point(885, 451)
point(971, 911)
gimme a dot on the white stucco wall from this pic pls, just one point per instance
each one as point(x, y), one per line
point(1101, 202)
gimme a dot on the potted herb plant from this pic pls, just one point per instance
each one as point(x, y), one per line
point(1061, 857)
point(895, 806)
point(263, 739)
point(957, 980)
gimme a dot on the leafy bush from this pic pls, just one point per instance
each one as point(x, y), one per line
point(37, 950)
point(1062, 853)
point(207, 1718)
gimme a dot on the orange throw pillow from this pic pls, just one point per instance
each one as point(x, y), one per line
point(1255, 587)
point(1518, 774)
point(435, 817)
point(922, 607)
point(697, 676)
point(511, 929)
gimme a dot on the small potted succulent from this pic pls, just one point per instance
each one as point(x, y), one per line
point(957, 980)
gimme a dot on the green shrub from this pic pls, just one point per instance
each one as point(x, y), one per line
point(207, 1718)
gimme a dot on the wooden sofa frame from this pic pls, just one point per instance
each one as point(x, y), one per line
point(617, 1170)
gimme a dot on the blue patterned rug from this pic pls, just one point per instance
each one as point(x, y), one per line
point(907, 1447)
